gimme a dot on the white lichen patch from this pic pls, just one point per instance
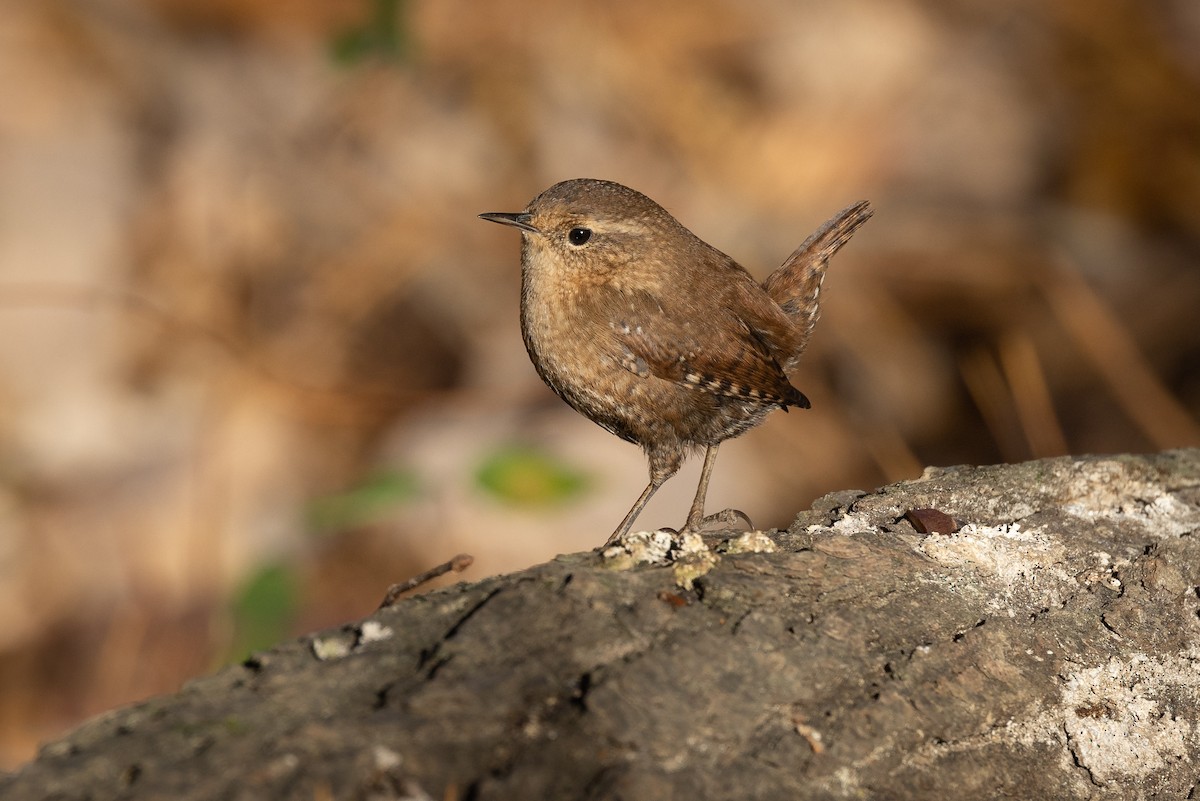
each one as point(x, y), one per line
point(1123, 718)
point(1160, 515)
point(1006, 551)
point(694, 560)
point(688, 554)
point(749, 542)
point(1020, 560)
point(1167, 516)
point(847, 525)
point(349, 640)
point(372, 631)
point(691, 544)
point(337, 646)
point(852, 524)
point(1108, 492)
point(1122, 722)
point(642, 548)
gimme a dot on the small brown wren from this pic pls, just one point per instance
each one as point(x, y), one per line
point(655, 335)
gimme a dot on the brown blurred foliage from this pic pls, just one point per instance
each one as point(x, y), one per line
point(240, 272)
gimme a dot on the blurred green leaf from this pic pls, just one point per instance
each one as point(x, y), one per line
point(378, 494)
point(263, 609)
point(525, 476)
point(381, 36)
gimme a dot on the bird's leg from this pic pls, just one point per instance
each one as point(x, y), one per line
point(696, 515)
point(661, 468)
point(638, 505)
point(696, 519)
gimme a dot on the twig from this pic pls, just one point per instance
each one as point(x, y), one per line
point(457, 565)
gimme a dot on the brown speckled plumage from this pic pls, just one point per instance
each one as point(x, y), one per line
point(655, 335)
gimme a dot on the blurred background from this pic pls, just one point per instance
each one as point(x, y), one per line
point(258, 359)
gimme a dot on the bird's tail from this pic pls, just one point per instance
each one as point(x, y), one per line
point(796, 285)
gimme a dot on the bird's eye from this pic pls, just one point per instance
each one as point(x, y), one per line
point(579, 236)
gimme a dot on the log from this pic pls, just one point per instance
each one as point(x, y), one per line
point(1033, 633)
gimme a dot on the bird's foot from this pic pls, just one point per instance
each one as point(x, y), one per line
point(724, 520)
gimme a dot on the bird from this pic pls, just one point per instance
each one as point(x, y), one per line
point(657, 336)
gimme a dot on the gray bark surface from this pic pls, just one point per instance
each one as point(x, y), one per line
point(1050, 648)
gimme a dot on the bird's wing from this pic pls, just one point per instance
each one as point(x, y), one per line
point(717, 352)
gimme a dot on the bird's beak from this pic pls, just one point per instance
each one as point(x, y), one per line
point(517, 219)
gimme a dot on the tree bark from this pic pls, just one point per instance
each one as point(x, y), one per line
point(1048, 648)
